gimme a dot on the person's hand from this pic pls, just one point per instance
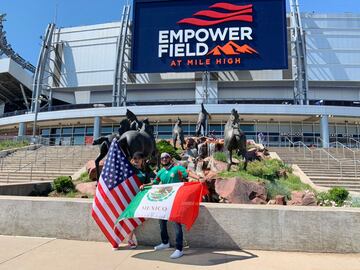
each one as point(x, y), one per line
point(141, 187)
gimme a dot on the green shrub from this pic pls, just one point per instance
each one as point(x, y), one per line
point(63, 184)
point(269, 169)
point(220, 156)
point(276, 188)
point(164, 146)
point(338, 195)
point(293, 182)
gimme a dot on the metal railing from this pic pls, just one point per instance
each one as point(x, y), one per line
point(356, 143)
point(49, 159)
point(300, 146)
point(344, 149)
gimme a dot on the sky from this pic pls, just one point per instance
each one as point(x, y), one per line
point(26, 20)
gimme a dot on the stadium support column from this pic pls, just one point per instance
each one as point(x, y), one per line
point(324, 128)
point(22, 129)
point(97, 127)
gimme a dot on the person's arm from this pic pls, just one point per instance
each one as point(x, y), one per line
point(183, 174)
point(156, 181)
point(193, 175)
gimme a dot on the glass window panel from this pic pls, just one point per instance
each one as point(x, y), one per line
point(89, 131)
point(79, 140)
point(45, 132)
point(67, 130)
point(79, 130)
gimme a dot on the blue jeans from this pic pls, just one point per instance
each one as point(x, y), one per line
point(165, 235)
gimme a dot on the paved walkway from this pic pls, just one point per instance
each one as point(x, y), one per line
point(25, 253)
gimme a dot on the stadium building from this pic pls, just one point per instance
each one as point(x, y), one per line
point(82, 86)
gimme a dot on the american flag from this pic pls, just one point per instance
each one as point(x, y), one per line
point(118, 184)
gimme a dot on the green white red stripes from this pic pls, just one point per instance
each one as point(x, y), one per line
point(174, 202)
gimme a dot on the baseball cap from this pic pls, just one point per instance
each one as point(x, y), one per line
point(164, 155)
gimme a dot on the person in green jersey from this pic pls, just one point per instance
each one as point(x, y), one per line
point(169, 174)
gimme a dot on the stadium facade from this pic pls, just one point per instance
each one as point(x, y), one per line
point(79, 90)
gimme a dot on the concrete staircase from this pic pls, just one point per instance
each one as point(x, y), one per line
point(339, 169)
point(45, 163)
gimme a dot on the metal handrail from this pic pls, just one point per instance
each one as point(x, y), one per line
point(328, 160)
point(343, 148)
point(357, 143)
point(301, 144)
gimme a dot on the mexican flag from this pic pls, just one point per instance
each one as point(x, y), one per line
point(174, 202)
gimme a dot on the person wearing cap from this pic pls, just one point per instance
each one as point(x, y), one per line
point(138, 161)
point(169, 174)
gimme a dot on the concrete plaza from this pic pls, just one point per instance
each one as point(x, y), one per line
point(25, 253)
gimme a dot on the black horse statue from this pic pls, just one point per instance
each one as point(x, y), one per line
point(139, 141)
point(201, 123)
point(234, 138)
point(178, 133)
point(135, 124)
point(104, 142)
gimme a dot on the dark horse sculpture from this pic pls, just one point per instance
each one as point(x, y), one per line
point(234, 138)
point(178, 133)
point(139, 141)
point(203, 115)
point(105, 142)
point(135, 124)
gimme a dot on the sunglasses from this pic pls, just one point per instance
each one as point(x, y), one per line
point(165, 157)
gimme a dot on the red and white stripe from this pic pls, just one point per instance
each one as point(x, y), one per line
point(108, 206)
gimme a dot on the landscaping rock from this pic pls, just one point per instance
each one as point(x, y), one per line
point(258, 201)
point(309, 199)
point(216, 166)
point(91, 169)
point(236, 190)
point(280, 200)
point(87, 188)
point(271, 202)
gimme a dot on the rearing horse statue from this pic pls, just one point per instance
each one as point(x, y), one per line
point(234, 138)
point(178, 133)
point(203, 115)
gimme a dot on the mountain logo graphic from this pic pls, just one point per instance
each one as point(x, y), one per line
point(231, 48)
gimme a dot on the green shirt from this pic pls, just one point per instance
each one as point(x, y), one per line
point(174, 174)
point(142, 177)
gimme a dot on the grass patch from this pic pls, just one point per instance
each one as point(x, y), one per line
point(8, 144)
point(84, 177)
point(219, 156)
point(267, 171)
point(241, 174)
point(293, 183)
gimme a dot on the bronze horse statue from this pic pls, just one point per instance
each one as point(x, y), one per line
point(234, 138)
point(178, 133)
point(201, 123)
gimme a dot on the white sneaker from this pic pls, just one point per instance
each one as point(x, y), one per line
point(177, 254)
point(162, 246)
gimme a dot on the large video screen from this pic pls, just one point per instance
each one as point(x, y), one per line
point(208, 35)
